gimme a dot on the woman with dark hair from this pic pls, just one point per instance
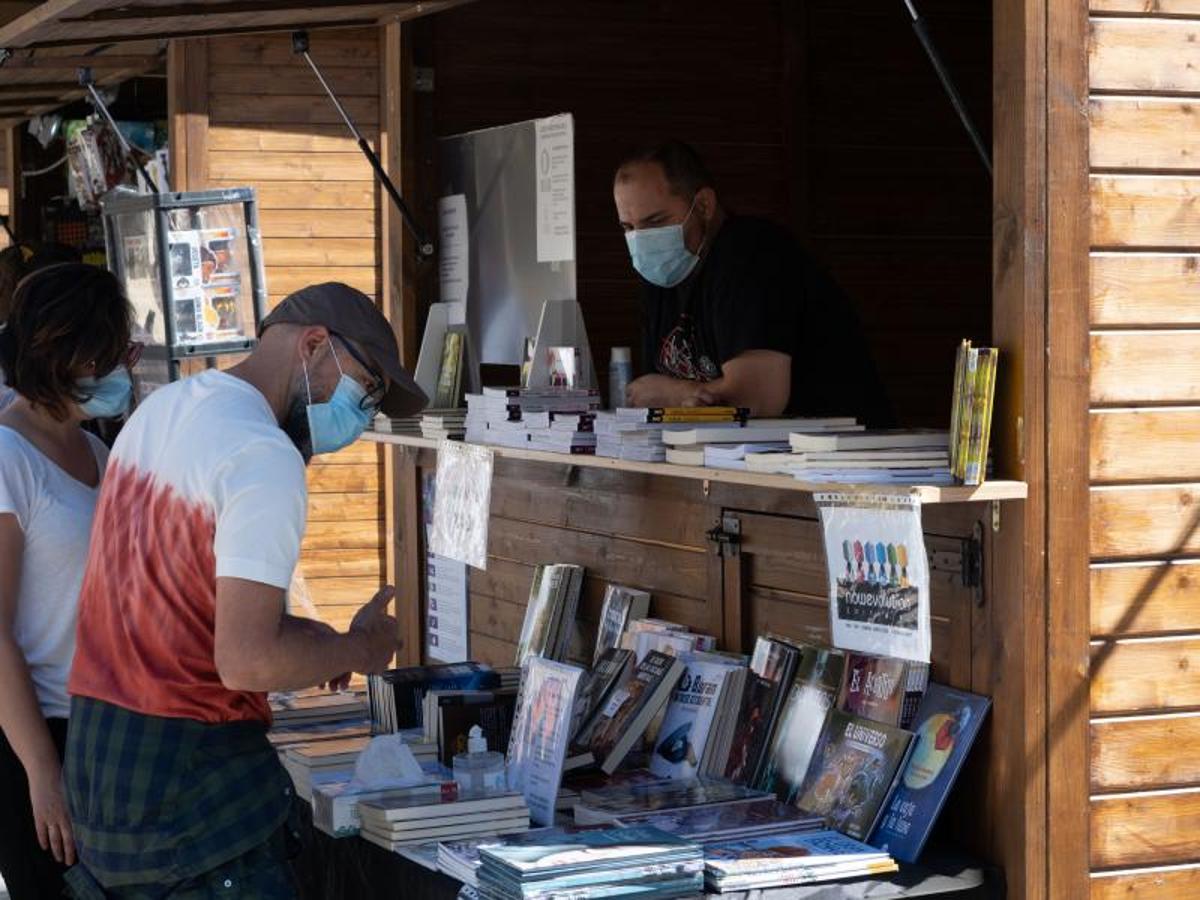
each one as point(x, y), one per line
point(64, 350)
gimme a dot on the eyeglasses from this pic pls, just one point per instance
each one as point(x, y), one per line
point(375, 393)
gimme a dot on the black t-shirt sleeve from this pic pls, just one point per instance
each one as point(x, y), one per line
point(757, 301)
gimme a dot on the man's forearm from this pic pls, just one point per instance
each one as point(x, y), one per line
point(306, 653)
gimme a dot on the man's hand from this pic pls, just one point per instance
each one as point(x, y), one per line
point(378, 631)
point(662, 390)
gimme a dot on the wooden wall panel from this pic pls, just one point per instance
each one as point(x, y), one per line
point(1156, 829)
point(1145, 289)
point(1145, 367)
point(1139, 753)
point(1145, 307)
point(1143, 599)
point(269, 125)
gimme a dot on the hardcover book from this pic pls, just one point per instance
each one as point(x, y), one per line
point(854, 767)
point(882, 688)
point(814, 692)
point(773, 667)
point(619, 724)
point(947, 723)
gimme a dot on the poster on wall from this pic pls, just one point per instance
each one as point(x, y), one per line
point(454, 255)
point(878, 573)
point(462, 503)
point(554, 157)
point(446, 612)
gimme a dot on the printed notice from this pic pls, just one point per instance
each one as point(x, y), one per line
point(878, 573)
point(555, 164)
point(454, 256)
point(446, 612)
point(462, 503)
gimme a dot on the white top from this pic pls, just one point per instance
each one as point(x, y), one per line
point(7, 394)
point(54, 511)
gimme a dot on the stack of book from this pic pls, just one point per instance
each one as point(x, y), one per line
point(620, 801)
point(727, 822)
point(409, 426)
point(701, 718)
point(550, 625)
point(283, 736)
point(322, 761)
point(572, 433)
point(780, 860)
point(690, 446)
point(626, 862)
point(636, 433)
point(498, 415)
point(444, 424)
point(644, 635)
point(315, 707)
point(397, 696)
point(919, 456)
point(403, 819)
point(971, 414)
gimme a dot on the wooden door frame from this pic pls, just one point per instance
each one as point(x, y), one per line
point(1040, 322)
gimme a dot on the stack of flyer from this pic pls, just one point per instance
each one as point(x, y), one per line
point(499, 415)
point(404, 819)
point(780, 860)
point(637, 862)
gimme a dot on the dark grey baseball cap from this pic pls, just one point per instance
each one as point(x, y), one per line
point(350, 313)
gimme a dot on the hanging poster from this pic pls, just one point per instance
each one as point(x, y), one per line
point(462, 503)
point(554, 161)
point(878, 573)
point(446, 612)
point(454, 254)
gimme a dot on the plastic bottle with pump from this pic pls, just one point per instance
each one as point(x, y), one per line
point(479, 771)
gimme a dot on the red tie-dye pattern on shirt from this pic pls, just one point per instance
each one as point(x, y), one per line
point(147, 608)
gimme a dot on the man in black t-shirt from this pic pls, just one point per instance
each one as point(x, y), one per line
point(734, 312)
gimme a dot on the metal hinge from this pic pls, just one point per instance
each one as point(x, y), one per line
point(727, 535)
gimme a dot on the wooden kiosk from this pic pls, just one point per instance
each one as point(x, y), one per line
point(1068, 594)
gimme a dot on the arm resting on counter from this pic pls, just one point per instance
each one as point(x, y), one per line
point(758, 379)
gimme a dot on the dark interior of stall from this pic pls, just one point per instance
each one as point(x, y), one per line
point(823, 115)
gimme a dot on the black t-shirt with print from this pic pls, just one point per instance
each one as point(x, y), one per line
point(757, 290)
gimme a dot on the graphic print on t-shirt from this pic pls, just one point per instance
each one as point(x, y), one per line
point(680, 357)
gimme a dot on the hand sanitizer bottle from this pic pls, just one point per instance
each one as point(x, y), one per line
point(479, 771)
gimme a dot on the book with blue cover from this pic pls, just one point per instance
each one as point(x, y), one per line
point(947, 723)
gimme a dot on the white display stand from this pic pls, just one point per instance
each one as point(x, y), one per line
point(562, 325)
point(429, 359)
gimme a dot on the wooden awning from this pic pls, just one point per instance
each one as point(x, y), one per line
point(44, 47)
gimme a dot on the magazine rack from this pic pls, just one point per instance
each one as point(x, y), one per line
point(191, 265)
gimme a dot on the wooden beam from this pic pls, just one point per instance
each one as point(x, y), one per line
point(202, 29)
point(70, 63)
point(187, 113)
point(124, 13)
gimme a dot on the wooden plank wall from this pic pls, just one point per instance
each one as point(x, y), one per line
point(1145, 437)
point(246, 112)
point(823, 115)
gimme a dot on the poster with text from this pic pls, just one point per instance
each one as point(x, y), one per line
point(554, 159)
point(878, 573)
point(454, 255)
point(462, 503)
point(446, 611)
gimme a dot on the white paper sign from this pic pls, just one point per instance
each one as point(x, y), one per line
point(446, 613)
point(462, 503)
point(454, 255)
point(878, 573)
point(554, 158)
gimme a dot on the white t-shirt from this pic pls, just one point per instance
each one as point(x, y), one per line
point(55, 513)
point(7, 394)
point(202, 484)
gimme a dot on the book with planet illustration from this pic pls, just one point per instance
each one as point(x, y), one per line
point(947, 723)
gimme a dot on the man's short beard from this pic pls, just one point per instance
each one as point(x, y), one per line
point(295, 426)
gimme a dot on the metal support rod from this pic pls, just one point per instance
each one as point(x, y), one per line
point(424, 245)
point(87, 81)
point(943, 75)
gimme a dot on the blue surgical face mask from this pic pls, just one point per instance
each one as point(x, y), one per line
point(341, 420)
point(660, 255)
point(107, 396)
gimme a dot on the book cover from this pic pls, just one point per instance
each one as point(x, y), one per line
point(773, 667)
point(621, 722)
point(621, 606)
point(688, 723)
point(446, 394)
point(814, 692)
point(853, 768)
point(549, 593)
point(540, 734)
point(947, 723)
point(882, 688)
point(805, 849)
point(610, 673)
point(616, 802)
point(397, 696)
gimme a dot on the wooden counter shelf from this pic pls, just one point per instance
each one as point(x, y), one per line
point(928, 494)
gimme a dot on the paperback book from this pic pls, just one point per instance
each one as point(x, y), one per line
point(612, 804)
point(948, 722)
point(773, 668)
point(610, 673)
point(781, 860)
point(397, 696)
point(621, 606)
point(814, 692)
point(697, 711)
point(540, 734)
point(854, 767)
point(550, 615)
point(620, 723)
point(883, 688)
point(707, 824)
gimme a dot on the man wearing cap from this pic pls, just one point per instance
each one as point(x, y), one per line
point(173, 787)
